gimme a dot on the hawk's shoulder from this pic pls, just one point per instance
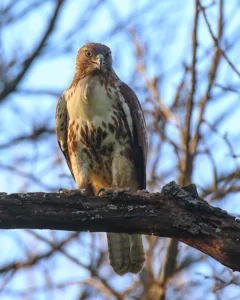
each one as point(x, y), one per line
point(140, 144)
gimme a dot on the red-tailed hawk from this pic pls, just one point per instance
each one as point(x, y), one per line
point(102, 133)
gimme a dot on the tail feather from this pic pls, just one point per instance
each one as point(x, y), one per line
point(137, 254)
point(126, 252)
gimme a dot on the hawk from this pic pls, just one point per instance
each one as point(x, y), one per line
point(101, 131)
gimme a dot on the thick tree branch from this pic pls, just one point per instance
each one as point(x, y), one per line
point(175, 212)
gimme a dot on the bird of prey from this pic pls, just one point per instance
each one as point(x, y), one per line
point(101, 131)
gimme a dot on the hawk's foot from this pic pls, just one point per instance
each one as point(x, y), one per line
point(113, 191)
point(82, 192)
point(64, 191)
point(142, 192)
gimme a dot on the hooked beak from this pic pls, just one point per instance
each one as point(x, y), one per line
point(100, 61)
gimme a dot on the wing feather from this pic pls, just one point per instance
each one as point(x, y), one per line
point(62, 129)
point(140, 144)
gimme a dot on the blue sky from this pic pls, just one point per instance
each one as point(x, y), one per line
point(166, 27)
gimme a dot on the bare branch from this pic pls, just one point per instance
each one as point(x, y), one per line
point(212, 75)
point(12, 85)
point(188, 156)
point(216, 41)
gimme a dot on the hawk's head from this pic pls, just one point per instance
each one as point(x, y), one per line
point(92, 58)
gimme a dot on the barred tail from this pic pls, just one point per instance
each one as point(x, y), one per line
point(126, 252)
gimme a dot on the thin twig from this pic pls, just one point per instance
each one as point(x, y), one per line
point(217, 41)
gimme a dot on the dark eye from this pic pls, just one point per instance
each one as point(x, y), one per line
point(88, 53)
point(108, 54)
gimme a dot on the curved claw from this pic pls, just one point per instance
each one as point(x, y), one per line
point(83, 192)
point(100, 191)
point(63, 191)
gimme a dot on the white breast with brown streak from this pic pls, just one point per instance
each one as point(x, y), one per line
point(91, 109)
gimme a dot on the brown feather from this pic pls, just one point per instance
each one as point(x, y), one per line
point(140, 145)
point(62, 130)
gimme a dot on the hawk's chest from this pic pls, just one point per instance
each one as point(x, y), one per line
point(96, 120)
point(91, 99)
point(99, 129)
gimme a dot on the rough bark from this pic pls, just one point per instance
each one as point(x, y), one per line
point(175, 212)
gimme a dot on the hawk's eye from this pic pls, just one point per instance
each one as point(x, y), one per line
point(108, 54)
point(88, 53)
